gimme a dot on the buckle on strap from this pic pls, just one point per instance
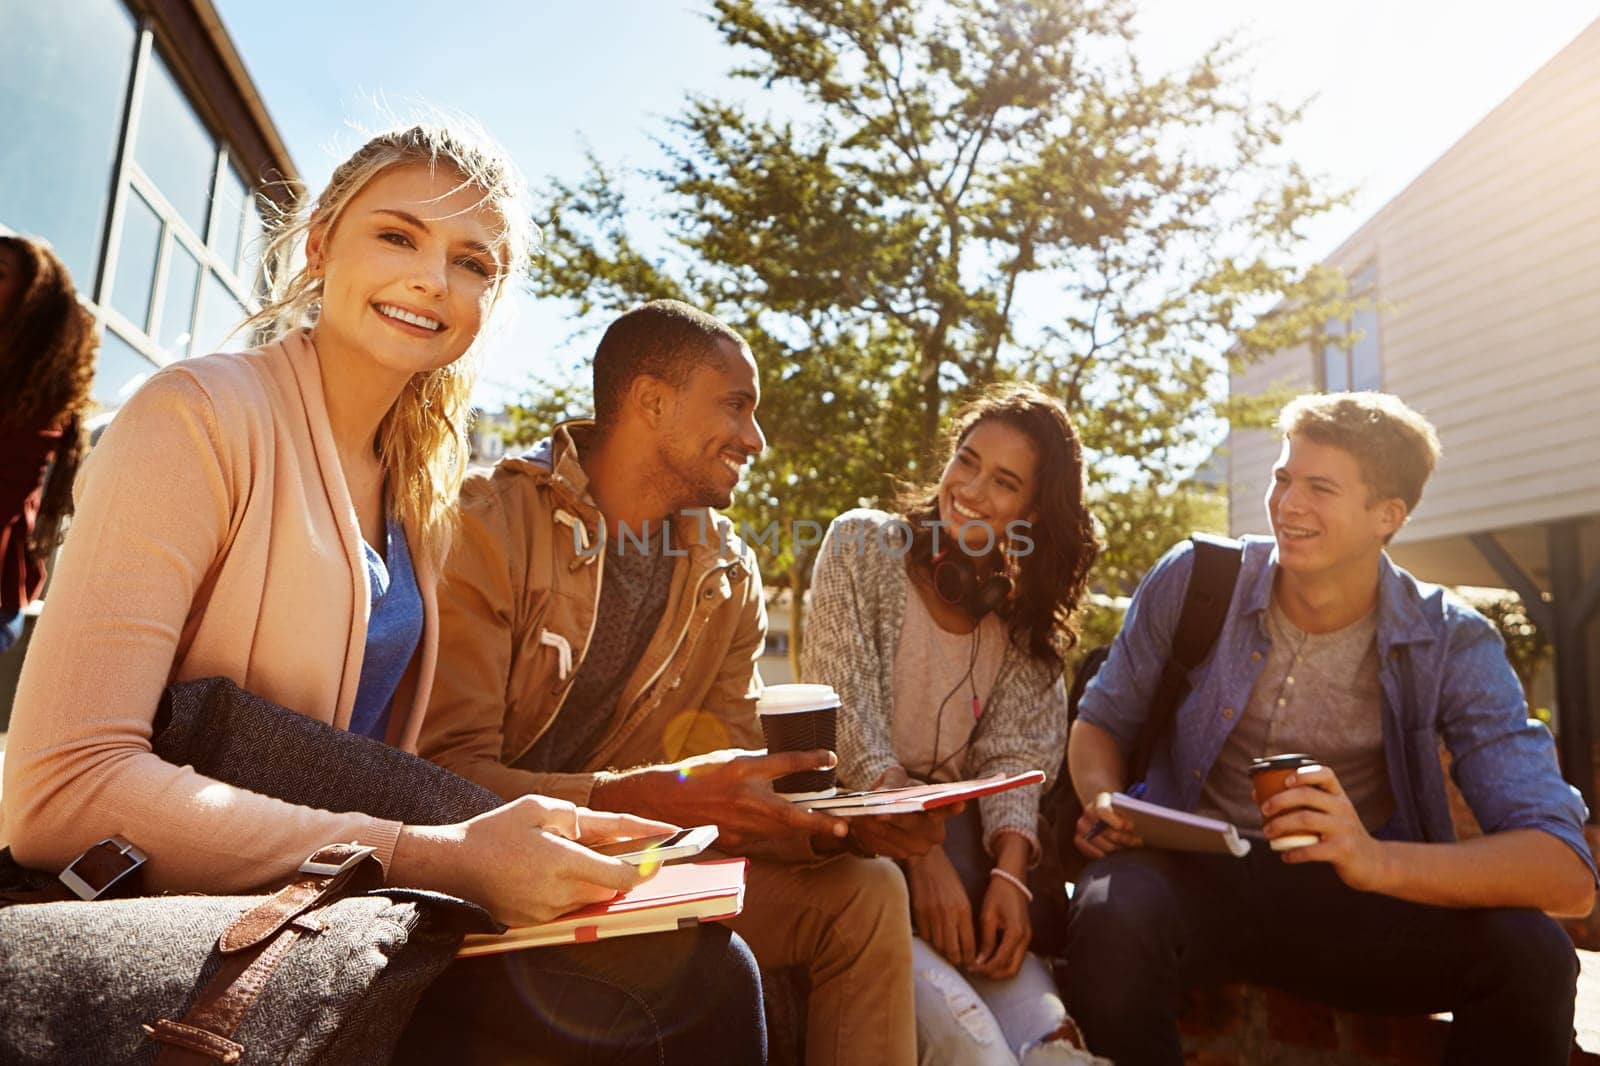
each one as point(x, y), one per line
point(102, 868)
point(331, 871)
point(335, 859)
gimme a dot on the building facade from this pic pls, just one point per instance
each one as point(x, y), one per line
point(1484, 279)
point(133, 141)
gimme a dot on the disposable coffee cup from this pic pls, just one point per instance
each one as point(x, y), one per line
point(800, 718)
point(1268, 777)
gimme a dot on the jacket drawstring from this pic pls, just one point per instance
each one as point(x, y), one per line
point(581, 531)
point(563, 650)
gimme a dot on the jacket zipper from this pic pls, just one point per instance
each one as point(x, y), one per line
point(594, 616)
point(687, 625)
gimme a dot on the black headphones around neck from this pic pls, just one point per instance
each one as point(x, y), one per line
point(956, 583)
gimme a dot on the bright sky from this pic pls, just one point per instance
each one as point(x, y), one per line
point(1396, 82)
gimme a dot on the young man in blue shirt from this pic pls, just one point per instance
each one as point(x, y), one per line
point(1331, 649)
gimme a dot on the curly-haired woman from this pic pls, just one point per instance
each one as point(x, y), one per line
point(943, 627)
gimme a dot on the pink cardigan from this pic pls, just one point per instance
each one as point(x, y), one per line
point(214, 536)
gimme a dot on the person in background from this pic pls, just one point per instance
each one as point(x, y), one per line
point(47, 348)
point(943, 628)
point(277, 517)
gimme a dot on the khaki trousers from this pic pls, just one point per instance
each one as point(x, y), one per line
point(847, 921)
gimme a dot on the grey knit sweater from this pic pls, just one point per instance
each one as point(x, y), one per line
point(852, 631)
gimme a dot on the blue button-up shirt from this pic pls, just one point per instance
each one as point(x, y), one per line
point(1442, 670)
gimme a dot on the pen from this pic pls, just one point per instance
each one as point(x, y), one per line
point(1137, 791)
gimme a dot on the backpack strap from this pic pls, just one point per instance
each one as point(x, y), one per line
point(1205, 601)
point(1205, 608)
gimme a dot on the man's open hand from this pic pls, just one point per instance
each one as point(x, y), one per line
point(730, 789)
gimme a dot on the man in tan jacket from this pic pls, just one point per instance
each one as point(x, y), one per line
point(600, 626)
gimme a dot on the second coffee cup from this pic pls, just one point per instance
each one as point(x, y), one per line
point(800, 718)
point(1268, 777)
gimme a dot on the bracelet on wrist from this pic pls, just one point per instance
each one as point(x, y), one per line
point(1007, 875)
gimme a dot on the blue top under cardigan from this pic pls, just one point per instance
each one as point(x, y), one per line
point(394, 628)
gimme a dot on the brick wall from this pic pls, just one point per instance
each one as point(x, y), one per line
point(1264, 1027)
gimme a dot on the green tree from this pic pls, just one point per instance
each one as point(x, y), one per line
point(542, 405)
point(1528, 647)
point(966, 191)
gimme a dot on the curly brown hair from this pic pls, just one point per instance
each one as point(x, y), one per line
point(47, 350)
point(1052, 577)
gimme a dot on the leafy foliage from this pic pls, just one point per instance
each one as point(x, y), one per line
point(967, 191)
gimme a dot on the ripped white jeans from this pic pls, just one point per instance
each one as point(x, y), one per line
point(966, 1020)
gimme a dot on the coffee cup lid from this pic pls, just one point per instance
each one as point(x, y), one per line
point(792, 699)
point(1288, 761)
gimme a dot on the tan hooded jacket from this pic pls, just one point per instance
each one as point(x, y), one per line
point(517, 607)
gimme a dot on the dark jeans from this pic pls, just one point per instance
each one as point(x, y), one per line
point(1147, 925)
point(687, 997)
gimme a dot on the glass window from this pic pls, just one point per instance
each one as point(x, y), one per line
point(1335, 361)
point(119, 370)
point(136, 260)
point(177, 303)
point(228, 219)
point(174, 147)
point(63, 89)
point(251, 246)
point(1359, 366)
point(1366, 371)
point(220, 312)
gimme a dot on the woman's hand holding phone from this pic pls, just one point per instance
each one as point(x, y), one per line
point(525, 861)
point(659, 848)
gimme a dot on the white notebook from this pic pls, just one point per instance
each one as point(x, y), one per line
point(1163, 827)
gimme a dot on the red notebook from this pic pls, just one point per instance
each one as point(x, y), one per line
point(914, 798)
point(678, 895)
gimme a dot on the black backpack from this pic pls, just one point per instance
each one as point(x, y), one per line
point(1205, 608)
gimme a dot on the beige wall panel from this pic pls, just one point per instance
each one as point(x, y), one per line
point(1491, 260)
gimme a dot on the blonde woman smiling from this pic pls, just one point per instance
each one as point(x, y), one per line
point(277, 517)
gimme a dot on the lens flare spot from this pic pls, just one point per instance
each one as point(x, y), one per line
point(694, 732)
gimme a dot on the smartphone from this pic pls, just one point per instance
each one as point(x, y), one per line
point(664, 847)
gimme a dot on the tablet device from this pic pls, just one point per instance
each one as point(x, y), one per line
point(664, 847)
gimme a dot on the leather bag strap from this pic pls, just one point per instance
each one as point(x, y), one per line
point(252, 946)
